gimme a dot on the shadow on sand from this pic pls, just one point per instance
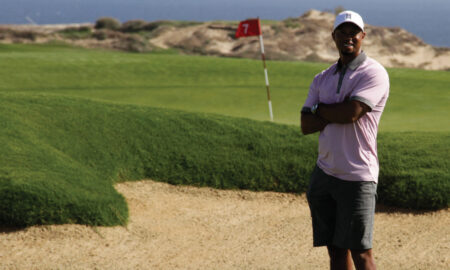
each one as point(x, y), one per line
point(397, 210)
point(11, 229)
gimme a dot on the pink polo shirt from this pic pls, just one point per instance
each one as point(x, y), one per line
point(349, 151)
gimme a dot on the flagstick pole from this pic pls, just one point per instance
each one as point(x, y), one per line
point(263, 56)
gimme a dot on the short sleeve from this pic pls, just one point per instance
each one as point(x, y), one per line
point(313, 96)
point(373, 89)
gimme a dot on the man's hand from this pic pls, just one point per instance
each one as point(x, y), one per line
point(311, 123)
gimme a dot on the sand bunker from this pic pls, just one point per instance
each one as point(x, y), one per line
point(176, 227)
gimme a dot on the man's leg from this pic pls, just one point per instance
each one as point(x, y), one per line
point(340, 259)
point(355, 216)
point(323, 208)
point(363, 259)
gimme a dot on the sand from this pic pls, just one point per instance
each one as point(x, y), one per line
point(178, 227)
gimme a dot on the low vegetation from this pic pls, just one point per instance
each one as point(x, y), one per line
point(61, 156)
point(133, 26)
point(76, 32)
point(108, 23)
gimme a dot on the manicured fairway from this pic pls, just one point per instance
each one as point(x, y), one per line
point(418, 99)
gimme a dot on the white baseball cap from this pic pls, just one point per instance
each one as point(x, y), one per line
point(348, 16)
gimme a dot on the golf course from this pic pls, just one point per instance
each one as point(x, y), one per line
point(80, 127)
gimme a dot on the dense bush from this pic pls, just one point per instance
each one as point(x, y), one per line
point(291, 23)
point(107, 23)
point(151, 26)
point(100, 35)
point(20, 34)
point(134, 26)
point(76, 32)
point(103, 34)
point(132, 43)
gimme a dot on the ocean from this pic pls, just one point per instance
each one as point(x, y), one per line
point(429, 20)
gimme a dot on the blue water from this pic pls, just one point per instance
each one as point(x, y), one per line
point(428, 19)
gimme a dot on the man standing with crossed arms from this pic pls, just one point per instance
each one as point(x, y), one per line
point(345, 103)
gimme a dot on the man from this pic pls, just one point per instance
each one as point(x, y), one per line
point(345, 103)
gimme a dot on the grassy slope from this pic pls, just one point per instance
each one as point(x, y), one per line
point(60, 155)
point(414, 169)
point(232, 87)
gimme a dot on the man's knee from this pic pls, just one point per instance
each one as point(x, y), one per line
point(339, 258)
point(363, 254)
point(363, 259)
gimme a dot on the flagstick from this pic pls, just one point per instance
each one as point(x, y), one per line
point(263, 56)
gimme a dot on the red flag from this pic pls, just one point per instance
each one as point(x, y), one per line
point(248, 28)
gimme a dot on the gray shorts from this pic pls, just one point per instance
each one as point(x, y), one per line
point(342, 211)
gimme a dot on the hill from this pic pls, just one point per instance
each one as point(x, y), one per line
point(305, 38)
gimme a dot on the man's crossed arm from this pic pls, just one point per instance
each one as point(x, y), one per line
point(348, 111)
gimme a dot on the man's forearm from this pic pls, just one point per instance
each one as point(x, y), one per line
point(345, 112)
point(311, 123)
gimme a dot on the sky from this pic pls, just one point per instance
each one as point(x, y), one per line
point(429, 19)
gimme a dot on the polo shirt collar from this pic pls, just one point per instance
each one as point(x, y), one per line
point(354, 64)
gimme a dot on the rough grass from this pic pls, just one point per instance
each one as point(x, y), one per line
point(414, 169)
point(61, 156)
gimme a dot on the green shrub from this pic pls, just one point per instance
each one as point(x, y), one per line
point(25, 34)
point(291, 23)
point(100, 34)
point(132, 43)
point(103, 34)
point(134, 26)
point(151, 26)
point(107, 23)
point(76, 32)
point(277, 28)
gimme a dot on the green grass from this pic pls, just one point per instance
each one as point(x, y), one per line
point(61, 157)
point(414, 169)
point(74, 122)
point(418, 99)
